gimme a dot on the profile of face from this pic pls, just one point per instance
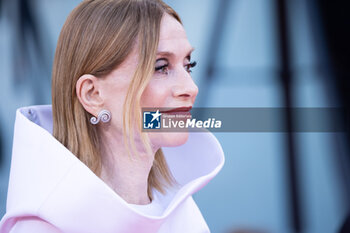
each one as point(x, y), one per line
point(171, 86)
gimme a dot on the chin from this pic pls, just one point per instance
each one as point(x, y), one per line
point(172, 139)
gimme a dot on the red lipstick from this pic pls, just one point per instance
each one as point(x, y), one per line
point(180, 109)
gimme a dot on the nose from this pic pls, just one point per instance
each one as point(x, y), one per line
point(185, 86)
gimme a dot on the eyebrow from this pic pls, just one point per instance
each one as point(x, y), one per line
point(171, 54)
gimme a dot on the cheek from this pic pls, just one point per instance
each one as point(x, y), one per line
point(156, 94)
point(114, 94)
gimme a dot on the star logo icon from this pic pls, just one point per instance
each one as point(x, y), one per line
point(156, 115)
point(152, 119)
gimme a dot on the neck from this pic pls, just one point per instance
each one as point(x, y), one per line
point(126, 174)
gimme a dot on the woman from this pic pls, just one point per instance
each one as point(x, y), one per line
point(97, 171)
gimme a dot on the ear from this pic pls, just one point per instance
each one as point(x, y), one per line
point(87, 90)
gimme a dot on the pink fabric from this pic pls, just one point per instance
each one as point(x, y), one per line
point(31, 224)
point(50, 190)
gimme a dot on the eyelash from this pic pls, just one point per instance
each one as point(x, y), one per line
point(190, 66)
point(164, 68)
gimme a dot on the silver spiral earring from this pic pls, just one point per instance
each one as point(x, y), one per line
point(103, 115)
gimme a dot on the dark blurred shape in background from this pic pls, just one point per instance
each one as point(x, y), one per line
point(334, 20)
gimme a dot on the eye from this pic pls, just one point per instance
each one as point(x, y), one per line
point(189, 66)
point(162, 66)
point(164, 69)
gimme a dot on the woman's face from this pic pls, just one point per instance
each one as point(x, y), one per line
point(170, 87)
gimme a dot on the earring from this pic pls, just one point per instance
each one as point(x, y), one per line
point(103, 115)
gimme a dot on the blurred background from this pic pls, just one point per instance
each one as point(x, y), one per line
point(250, 53)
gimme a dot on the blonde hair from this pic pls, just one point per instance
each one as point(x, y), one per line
point(96, 38)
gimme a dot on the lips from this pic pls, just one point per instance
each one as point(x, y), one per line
point(178, 110)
